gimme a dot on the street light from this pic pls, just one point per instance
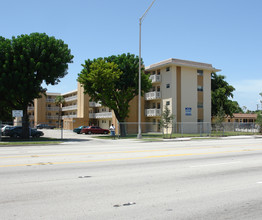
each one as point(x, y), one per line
point(139, 135)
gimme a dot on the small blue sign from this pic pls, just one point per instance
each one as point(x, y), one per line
point(188, 111)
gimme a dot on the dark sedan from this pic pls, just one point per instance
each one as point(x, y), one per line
point(94, 130)
point(16, 132)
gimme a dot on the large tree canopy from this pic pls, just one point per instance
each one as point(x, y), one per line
point(221, 94)
point(26, 61)
point(114, 81)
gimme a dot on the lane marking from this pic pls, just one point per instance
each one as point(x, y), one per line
point(214, 164)
point(123, 159)
point(119, 152)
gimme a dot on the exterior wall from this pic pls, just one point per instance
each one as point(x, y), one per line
point(188, 94)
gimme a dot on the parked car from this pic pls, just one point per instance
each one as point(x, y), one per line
point(46, 126)
point(94, 130)
point(16, 132)
point(5, 127)
point(78, 130)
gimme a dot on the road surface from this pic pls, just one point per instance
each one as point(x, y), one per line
point(129, 179)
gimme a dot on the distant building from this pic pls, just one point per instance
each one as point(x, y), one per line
point(184, 86)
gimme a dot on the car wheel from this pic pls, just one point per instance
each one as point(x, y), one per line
point(105, 132)
point(37, 136)
point(89, 132)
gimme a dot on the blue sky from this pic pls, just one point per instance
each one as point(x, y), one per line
point(224, 33)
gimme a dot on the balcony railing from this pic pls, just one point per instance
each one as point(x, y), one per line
point(152, 95)
point(30, 108)
point(68, 116)
point(50, 100)
point(52, 117)
point(94, 104)
point(101, 115)
point(155, 78)
point(71, 98)
point(52, 108)
point(152, 112)
point(70, 107)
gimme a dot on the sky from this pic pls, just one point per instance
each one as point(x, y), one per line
point(224, 33)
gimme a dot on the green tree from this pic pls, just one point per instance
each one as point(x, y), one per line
point(26, 62)
point(221, 92)
point(166, 121)
point(60, 101)
point(114, 81)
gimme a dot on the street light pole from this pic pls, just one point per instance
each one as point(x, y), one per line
point(139, 135)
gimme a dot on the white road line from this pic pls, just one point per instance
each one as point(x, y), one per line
point(214, 164)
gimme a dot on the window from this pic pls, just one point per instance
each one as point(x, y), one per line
point(167, 85)
point(154, 121)
point(168, 103)
point(103, 109)
point(158, 72)
point(200, 72)
point(167, 69)
point(200, 88)
point(199, 105)
point(103, 121)
point(200, 120)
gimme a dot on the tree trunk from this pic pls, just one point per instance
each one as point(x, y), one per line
point(122, 129)
point(25, 124)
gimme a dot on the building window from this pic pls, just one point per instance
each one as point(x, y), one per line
point(200, 120)
point(103, 121)
point(167, 85)
point(154, 121)
point(199, 105)
point(200, 88)
point(200, 72)
point(103, 109)
point(158, 72)
point(168, 103)
point(167, 69)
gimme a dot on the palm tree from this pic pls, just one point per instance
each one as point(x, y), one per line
point(59, 100)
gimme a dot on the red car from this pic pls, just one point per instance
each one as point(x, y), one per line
point(94, 130)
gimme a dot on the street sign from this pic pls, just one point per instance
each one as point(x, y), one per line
point(17, 113)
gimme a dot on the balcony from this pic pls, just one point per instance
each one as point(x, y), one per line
point(71, 98)
point(30, 108)
point(52, 108)
point(52, 117)
point(152, 95)
point(153, 112)
point(155, 78)
point(70, 107)
point(31, 117)
point(101, 115)
point(68, 116)
point(50, 100)
point(94, 104)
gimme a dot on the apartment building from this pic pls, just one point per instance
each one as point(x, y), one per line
point(183, 86)
point(44, 110)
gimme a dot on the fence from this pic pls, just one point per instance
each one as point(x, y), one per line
point(191, 128)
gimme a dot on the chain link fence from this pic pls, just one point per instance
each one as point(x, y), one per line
point(149, 130)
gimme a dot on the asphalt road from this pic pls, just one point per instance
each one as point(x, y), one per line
point(128, 179)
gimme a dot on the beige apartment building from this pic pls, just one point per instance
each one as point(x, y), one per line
point(184, 86)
